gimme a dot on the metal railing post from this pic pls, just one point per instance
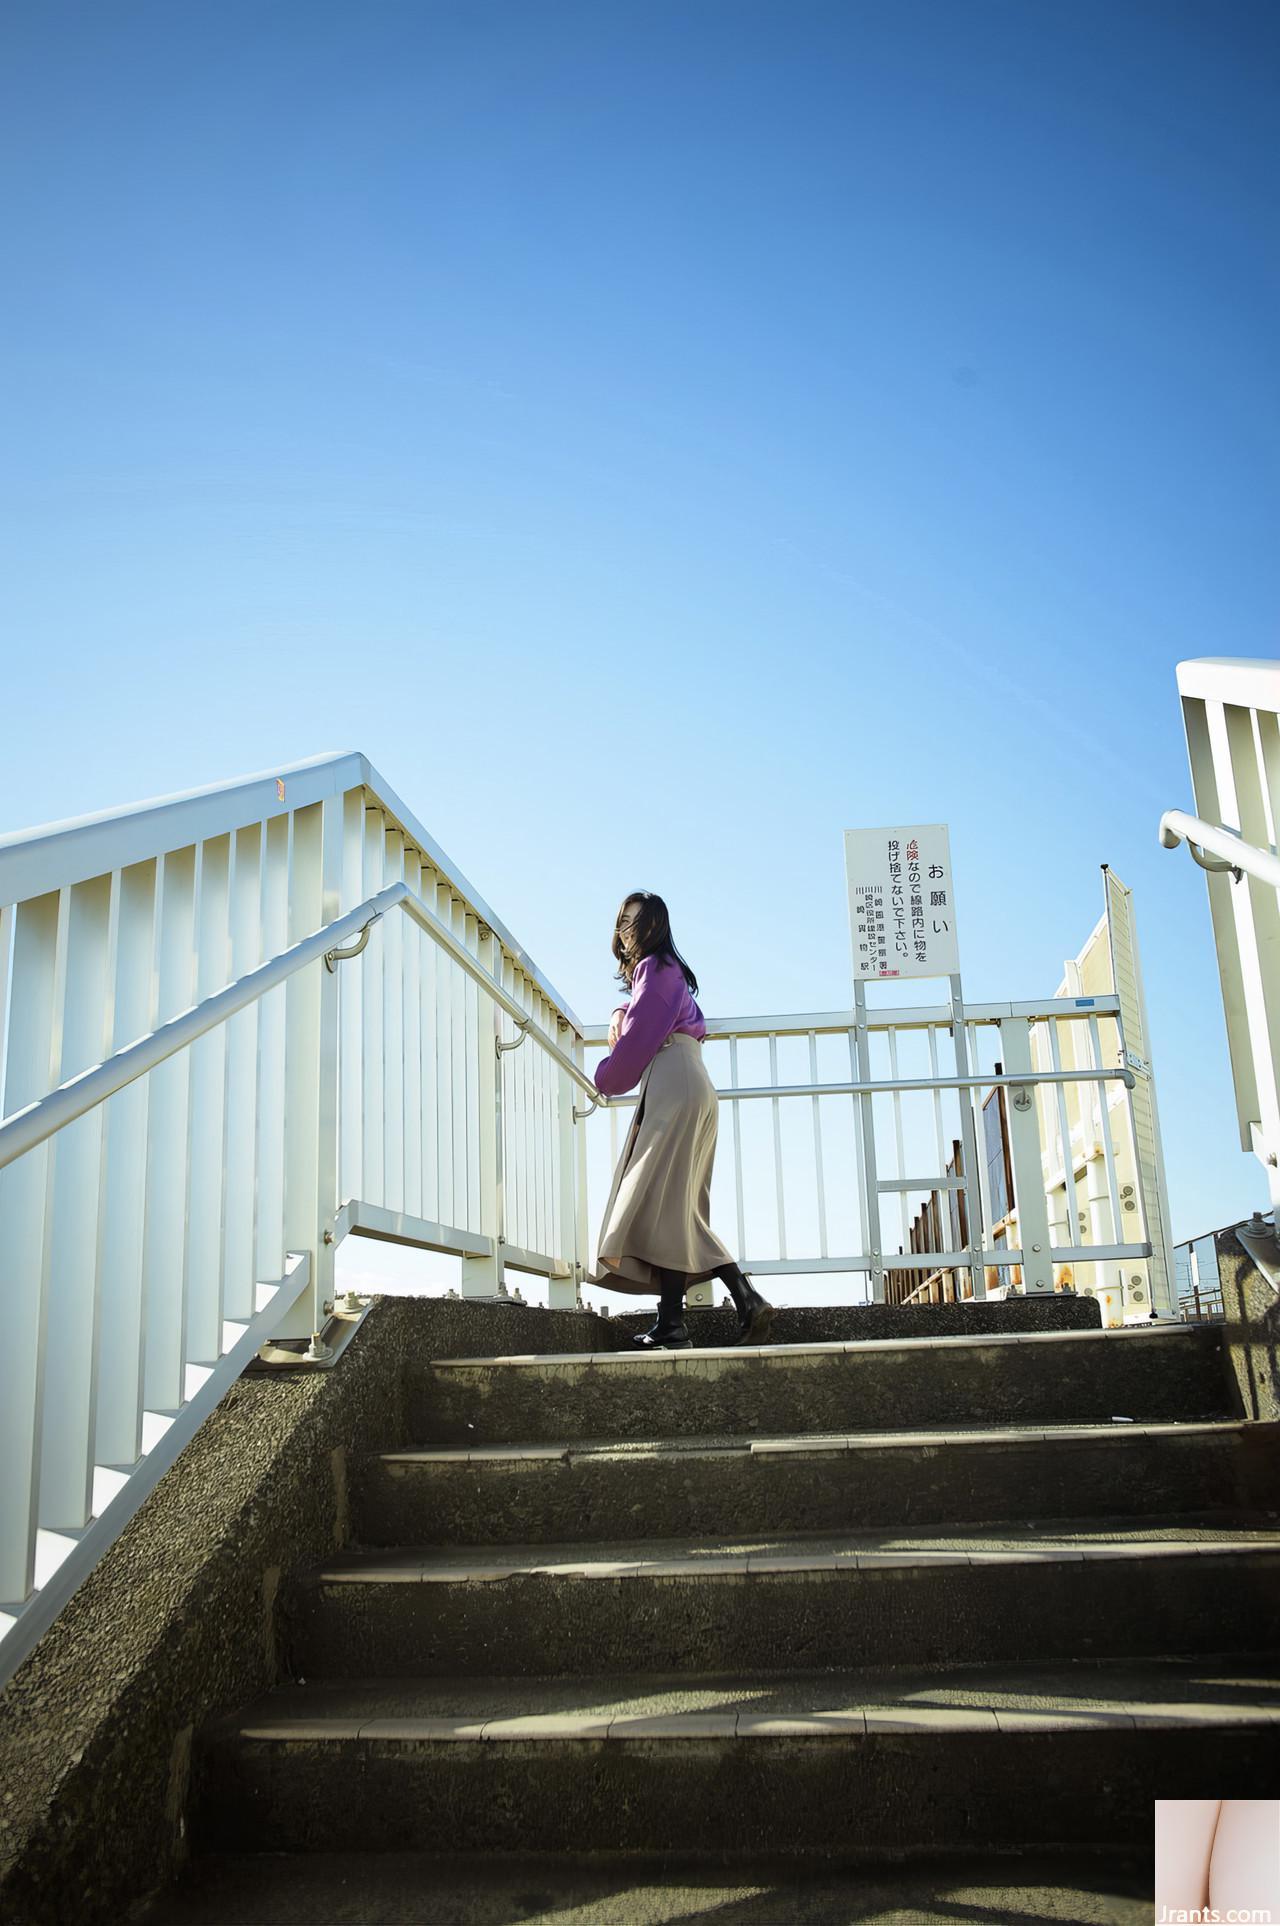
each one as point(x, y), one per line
point(581, 1231)
point(975, 1226)
point(562, 1292)
point(39, 936)
point(311, 1072)
point(866, 1145)
point(483, 1276)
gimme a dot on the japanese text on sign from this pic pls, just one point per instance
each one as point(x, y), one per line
point(901, 904)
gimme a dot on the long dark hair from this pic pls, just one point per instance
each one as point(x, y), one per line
point(649, 935)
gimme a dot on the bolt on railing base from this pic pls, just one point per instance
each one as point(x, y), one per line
point(320, 1353)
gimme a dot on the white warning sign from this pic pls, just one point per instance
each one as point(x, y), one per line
point(902, 912)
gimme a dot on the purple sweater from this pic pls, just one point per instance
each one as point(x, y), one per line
point(660, 1006)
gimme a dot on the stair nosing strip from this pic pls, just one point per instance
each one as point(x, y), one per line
point(868, 1722)
point(853, 1441)
point(765, 1564)
point(758, 1353)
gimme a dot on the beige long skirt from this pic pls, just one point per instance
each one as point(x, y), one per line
point(658, 1213)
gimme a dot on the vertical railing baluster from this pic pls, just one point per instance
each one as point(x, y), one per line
point(966, 1055)
point(476, 1071)
point(323, 1195)
point(530, 1052)
point(240, 1272)
point(273, 1012)
point(582, 1227)
point(428, 1038)
point(164, 1369)
point(973, 1144)
point(524, 1056)
point(39, 935)
point(776, 1105)
point(372, 972)
point(939, 1133)
point(509, 1072)
point(817, 1148)
point(311, 1068)
point(481, 1276)
point(1072, 1195)
point(866, 1140)
point(411, 940)
point(739, 1191)
point(352, 990)
point(553, 1135)
point(900, 1169)
point(517, 1164)
point(940, 1141)
point(118, 1417)
point(394, 929)
point(567, 1132)
point(860, 1173)
point(543, 1135)
point(458, 1090)
point(6, 947)
point(445, 970)
point(205, 1218)
point(1104, 1131)
point(66, 1447)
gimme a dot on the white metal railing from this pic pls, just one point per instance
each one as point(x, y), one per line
point(1198, 1280)
point(196, 1111)
point(1231, 712)
point(807, 1179)
point(221, 1052)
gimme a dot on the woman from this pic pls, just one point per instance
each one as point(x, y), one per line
point(656, 1234)
point(1220, 1854)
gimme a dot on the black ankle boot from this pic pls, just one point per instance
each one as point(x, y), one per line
point(669, 1333)
point(755, 1313)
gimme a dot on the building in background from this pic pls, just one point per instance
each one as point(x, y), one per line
point(1104, 1175)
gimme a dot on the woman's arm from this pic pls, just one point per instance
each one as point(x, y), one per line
point(1184, 1842)
point(648, 1022)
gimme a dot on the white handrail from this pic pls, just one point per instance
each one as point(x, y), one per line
point(1232, 851)
point(1231, 714)
point(43, 1119)
point(255, 1120)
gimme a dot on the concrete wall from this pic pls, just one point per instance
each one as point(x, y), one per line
point(1251, 1339)
point(178, 1621)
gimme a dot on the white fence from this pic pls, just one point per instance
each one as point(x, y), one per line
point(1231, 710)
point(239, 1024)
point(197, 1108)
point(883, 1113)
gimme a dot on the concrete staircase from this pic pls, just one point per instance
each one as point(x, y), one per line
point(813, 1631)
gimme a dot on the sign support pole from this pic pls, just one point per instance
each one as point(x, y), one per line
point(974, 1230)
point(870, 1190)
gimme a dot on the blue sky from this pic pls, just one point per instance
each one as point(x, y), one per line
point(660, 436)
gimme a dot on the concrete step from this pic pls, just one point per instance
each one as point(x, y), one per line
point(1056, 1377)
point(1082, 1589)
point(655, 1487)
point(408, 1889)
point(868, 1764)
